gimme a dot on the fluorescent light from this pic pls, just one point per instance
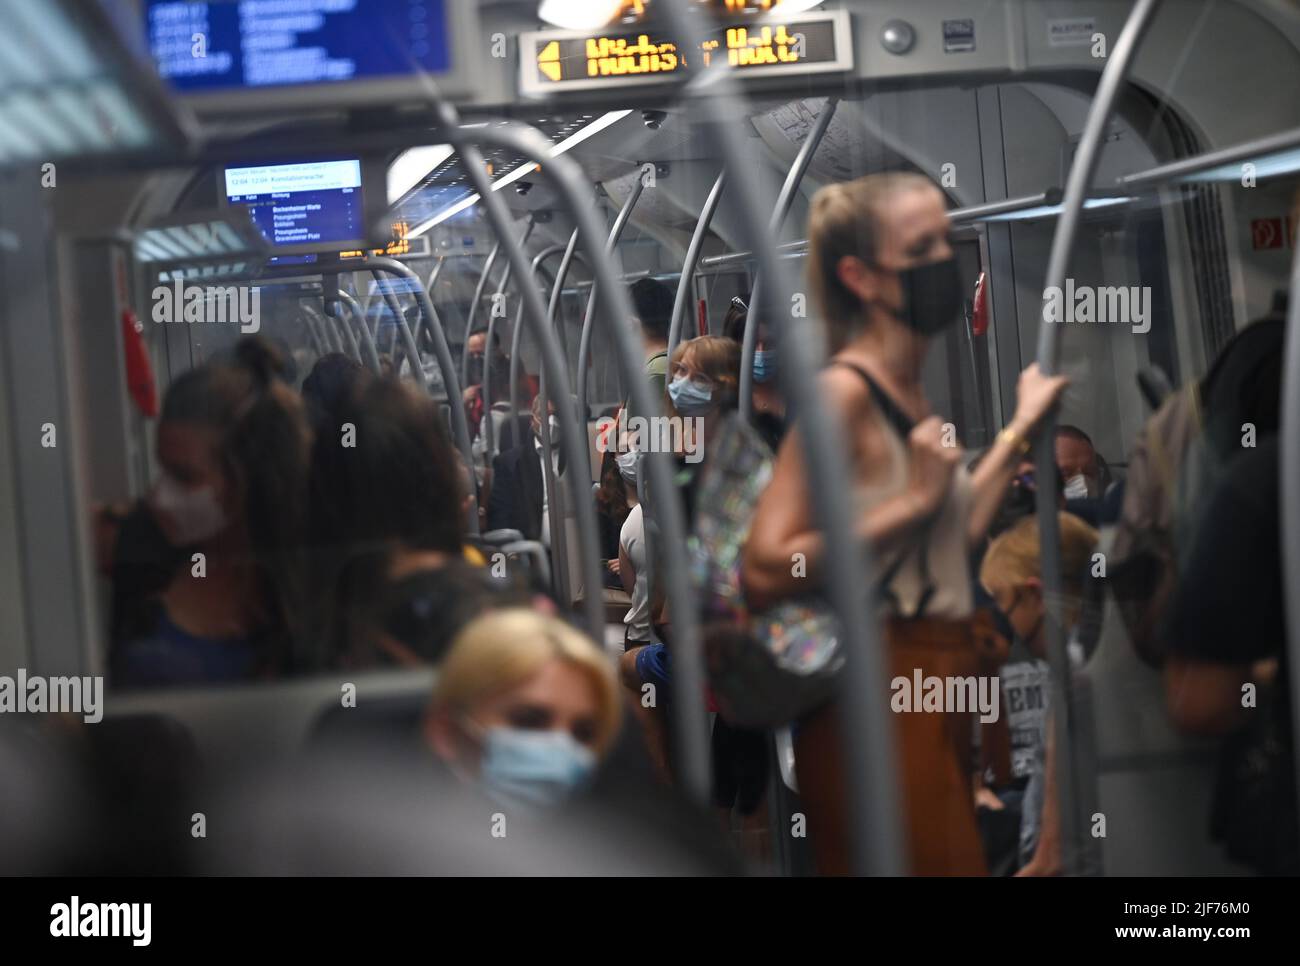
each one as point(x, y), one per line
point(572, 141)
point(1268, 166)
point(579, 14)
point(410, 167)
point(1051, 211)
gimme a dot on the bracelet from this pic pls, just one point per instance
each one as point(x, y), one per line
point(1018, 442)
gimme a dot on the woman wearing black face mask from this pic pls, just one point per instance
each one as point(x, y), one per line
point(883, 269)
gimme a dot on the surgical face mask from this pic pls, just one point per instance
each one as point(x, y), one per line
point(627, 465)
point(932, 296)
point(195, 514)
point(530, 768)
point(690, 398)
point(1078, 487)
point(764, 365)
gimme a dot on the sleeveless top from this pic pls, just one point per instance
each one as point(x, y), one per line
point(927, 574)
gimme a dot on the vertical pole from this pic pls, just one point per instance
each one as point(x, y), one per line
point(784, 202)
point(693, 252)
point(584, 343)
point(1113, 77)
point(869, 760)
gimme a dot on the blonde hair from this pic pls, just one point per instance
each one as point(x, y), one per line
point(503, 649)
point(716, 357)
point(1014, 557)
point(844, 220)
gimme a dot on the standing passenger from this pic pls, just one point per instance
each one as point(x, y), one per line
point(883, 268)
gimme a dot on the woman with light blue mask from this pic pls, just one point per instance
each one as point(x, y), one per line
point(703, 385)
point(525, 707)
point(769, 415)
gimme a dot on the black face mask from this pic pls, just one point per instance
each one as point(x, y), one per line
point(932, 296)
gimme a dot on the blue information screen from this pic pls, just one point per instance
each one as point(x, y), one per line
point(315, 203)
point(228, 44)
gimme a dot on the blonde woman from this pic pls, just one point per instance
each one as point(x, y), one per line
point(525, 706)
point(882, 267)
point(1012, 574)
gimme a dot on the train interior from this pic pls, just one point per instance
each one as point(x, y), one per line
point(119, 193)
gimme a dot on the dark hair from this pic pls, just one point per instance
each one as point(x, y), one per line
point(652, 301)
point(399, 482)
point(332, 382)
point(264, 446)
point(1074, 432)
point(733, 324)
point(611, 495)
point(1244, 385)
point(385, 477)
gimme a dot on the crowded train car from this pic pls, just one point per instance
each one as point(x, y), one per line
point(649, 437)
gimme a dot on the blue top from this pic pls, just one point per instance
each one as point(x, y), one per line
point(171, 655)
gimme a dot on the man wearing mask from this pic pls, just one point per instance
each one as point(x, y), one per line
point(1081, 468)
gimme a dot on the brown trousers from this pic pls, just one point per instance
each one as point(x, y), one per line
point(934, 759)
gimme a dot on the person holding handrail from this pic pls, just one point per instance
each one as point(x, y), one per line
point(882, 266)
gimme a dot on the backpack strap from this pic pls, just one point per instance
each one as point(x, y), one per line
point(902, 424)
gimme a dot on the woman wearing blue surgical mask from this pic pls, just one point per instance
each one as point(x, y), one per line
point(883, 270)
point(703, 386)
point(207, 571)
point(525, 707)
point(769, 413)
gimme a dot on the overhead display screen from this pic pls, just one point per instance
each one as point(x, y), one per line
point(235, 44)
point(313, 205)
point(584, 60)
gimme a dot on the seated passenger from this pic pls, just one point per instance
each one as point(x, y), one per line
point(1012, 574)
point(884, 271)
point(387, 494)
point(614, 501)
point(416, 611)
point(525, 707)
point(1087, 478)
point(207, 571)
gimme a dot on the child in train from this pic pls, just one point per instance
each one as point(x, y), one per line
point(1011, 573)
point(886, 277)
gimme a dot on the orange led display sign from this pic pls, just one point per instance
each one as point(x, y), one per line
point(575, 60)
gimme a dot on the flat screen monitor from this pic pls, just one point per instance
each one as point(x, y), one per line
point(309, 206)
point(294, 53)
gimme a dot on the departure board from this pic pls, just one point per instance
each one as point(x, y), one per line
point(313, 205)
point(236, 44)
point(576, 60)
